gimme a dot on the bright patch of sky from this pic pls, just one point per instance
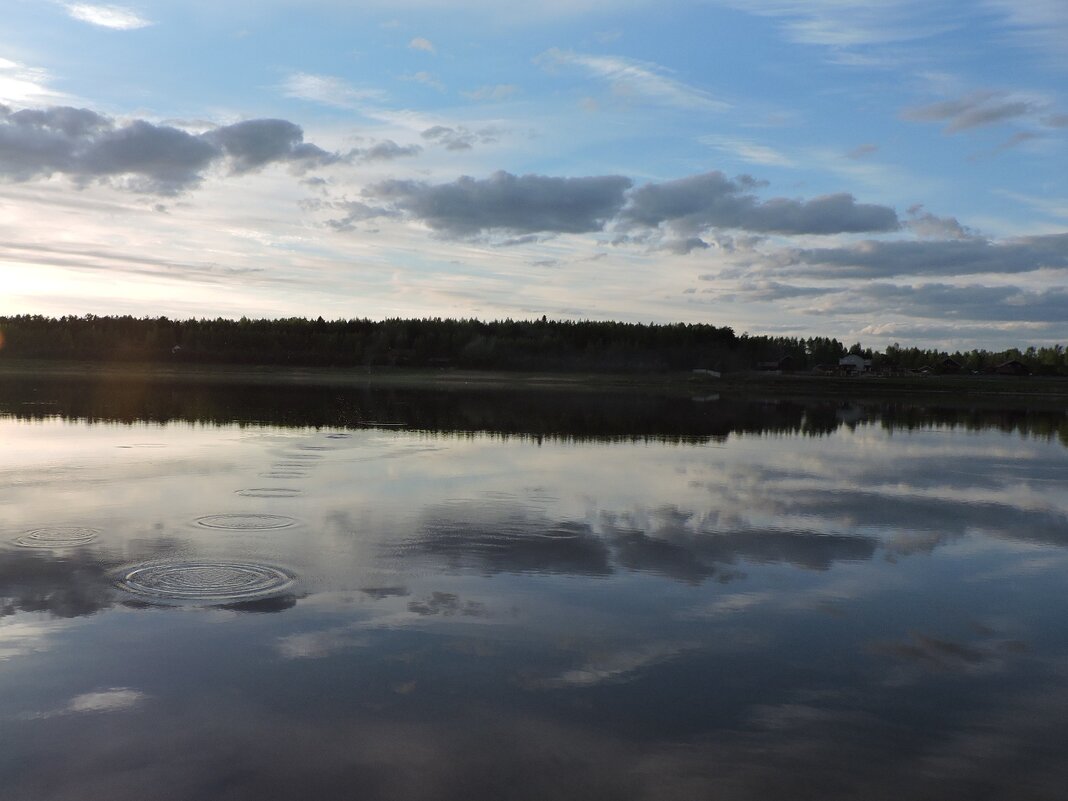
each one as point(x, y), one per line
point(830, 167)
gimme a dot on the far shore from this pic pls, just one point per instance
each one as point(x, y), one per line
point(734, 384)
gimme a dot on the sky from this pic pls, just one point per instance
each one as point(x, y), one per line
point(877, 172)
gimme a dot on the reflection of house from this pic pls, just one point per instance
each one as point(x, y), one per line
point(1012, 367)
point(854, 364)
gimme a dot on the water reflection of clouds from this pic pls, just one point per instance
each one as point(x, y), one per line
point(667, 542)
point(76, 584)
point(828, 750)
point(115, 699)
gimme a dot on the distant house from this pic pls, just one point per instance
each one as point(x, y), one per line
point(854, 364)
point(783, 365)
point(1012, 367)
point(947, 366)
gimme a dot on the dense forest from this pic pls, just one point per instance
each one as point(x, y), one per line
point(558, 345)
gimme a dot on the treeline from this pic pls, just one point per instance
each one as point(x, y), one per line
point(557, 345)
point(500, 345)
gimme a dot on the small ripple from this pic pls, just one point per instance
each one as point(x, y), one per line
point(305, 457)
point(283, 474)
point(339, 436)
point(270, 492)
point(60, 537)
point(205, 581)
point(248, 522)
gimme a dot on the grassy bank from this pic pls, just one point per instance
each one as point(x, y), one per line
point(733, 384)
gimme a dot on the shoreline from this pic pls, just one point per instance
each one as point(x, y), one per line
point(731, 384)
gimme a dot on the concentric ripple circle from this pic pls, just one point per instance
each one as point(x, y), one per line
point(270, 492)
point(249, 522)
point(62, 537)
point(205, 581)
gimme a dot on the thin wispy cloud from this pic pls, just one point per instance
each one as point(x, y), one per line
point(327, 89)
point(493, 93)
point(748, 151)
point(635, 80)
point(850, 23)
point(426, 79)
point(20, 84)
point(1038, 24)
point(860, 151)
point(976, 110)
point(118, 18)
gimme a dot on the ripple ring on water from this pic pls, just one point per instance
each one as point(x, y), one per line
point(249, 522)
point(68, 537)
point(270, 492)
point(205, 581)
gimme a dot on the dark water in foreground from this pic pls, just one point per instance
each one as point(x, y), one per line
point(259, 594)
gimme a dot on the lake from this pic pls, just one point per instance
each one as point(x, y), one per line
point(266, 592)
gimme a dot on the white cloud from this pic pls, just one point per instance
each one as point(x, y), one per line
point(419, 43)
point(748, 151)
point(24, 85)
point(115, 17)
point(326, 89)
point(635, 79)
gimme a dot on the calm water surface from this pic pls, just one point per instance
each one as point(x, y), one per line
point(313, 594)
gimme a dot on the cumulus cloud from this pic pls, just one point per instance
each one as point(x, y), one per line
point(507, 203)
point(683, 246)
point(419, 43)
point(387, 150)
point(115, 17)
point(711, 200)
point(141, 155)
point(929, 226)
point(975, 110)
point(459, 138)
point(253, 144)
point(945, 257)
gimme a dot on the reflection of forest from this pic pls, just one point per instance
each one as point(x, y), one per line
point(553, 413)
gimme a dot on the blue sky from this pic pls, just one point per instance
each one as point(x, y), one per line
point(876, 172)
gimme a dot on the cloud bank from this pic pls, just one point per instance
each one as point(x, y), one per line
point(712, 200)
point(508, 203)
point(139, 155)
